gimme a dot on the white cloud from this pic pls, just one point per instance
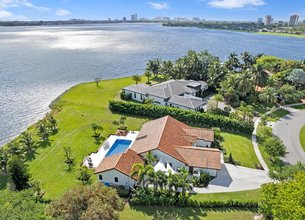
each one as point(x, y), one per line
point(232, 4)
point(5, 14)
point(158, 5)
point(21, 3)
point(62, 12)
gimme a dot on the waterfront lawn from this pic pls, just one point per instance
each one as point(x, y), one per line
point(282, 34)
point(299, 107)
point(277, 115)
point(148, 213)
point(302, 137)
point(240, 146)
point(82, 105)
point(249, 195)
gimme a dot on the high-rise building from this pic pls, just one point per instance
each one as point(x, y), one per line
point(293, 21)
point(260, 20)
point(196, 19)
point(124, 19)
point(304, 22)
point(134, 17)
point(166, 18)
point(268, 20)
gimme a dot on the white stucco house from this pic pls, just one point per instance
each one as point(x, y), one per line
point(173, 143)
point(184, 94)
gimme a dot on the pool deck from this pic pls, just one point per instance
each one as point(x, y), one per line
point(98, 156)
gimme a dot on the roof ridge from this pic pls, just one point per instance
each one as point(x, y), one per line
point(198, 148)
point(162, 132)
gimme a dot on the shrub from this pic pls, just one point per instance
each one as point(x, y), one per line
point(125, 96)
point(191, 117)
point(203, 180)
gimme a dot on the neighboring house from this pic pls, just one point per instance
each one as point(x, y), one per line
point(175, 145)
point(184, 94)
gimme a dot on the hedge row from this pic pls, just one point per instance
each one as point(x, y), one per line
point(190, 117)
point(223, 204)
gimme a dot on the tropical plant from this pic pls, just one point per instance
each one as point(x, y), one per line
point(84, 175)
point(52, 123)
point(97, 129)
point(17, 171)
point(154, 66)
point(275, 148)
point(28, 143)
point(260, 75)
point(69, 160)
point(140, 171)
point(218, 98)
point(4, 157)
point(150, 158)
point(268, 95)
point(148, 75)
point(97, 81)
point(136, 78)
point(43, 131)
point(121, 123)
point(233, 62)
point(297, 77)
point(14, 149)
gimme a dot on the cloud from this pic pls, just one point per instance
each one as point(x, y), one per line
point(5, 14)
point(232, 4)
point(158, 5)
point(62, 12)
point(4, 4)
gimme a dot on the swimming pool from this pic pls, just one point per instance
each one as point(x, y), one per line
point(119, 146)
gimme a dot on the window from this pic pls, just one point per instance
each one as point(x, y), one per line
point(141, 97)
point(135, 95)
point(171, 165)
point(116, 179)
point(100, 177)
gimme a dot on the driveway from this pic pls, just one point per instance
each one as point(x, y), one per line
point(288, 130)
point(235, 178)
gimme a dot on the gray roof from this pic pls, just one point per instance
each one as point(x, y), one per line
point(186, 101)
point(140, 88)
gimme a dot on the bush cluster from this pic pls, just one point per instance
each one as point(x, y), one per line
point(191, 117)
point(222, 204)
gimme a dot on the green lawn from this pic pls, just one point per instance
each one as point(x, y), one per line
point(148, 213)
point(241, 148)
point(302, 137)
point(282, 34)
point(253, 195)
point(82, 105)
point(277, 115)
point(299, 107)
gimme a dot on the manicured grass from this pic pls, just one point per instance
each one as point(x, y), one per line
point(80, 106)
point(240, 146)
point(277, 115)
point(282, 34)
point(264, 154)
point(299, 107)
point(147, 213)
point(302, 137)
point(253, 195)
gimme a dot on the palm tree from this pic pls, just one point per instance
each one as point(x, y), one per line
point(150, 158)
point(28, 143)
point(136, 78)
point(97, 129)
point(161, 179)
point(260, 75)
point(167, 68)
point(246, 111)
point(268, 95)
point(233, 62)
point(121, 123)
point(154, 66)
point(53, 123)
point(184, 182)
point(43, 131)
point(245, 83)
point(248, 60)
point(14, 149)
point(218, 98)
point(139, 171)
point(148, 75)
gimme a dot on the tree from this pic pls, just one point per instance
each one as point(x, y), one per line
point(97, 81)
point(167, 68)
point(275, 148)
point(43, 131)
point(18, 173)
point(3, 160)
point(87, 202)
point(268, 95)
point(284, 200)
point(121, 123)
point(150, 158)
point(245, 111)
point(248, 60)
point(28, 143)
point(52, 123)
point(69, 160)
point(136, 78)
point(245, 83)
point(217, 98)
point(14, 149)
point(97, 129)
point(297, 77)
point(84, 175)
point(139, 171)
point(154, 66)
point(286, 172)
point(261, 76)
point(184, 181)
point(233, 62)
point(148, 75)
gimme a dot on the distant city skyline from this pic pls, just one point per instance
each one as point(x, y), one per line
point(234, 10)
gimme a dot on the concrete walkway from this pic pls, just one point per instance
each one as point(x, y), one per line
point(288, 130)
point(235, 178)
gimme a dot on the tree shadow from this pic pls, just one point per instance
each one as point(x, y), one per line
point(44, 144)
point(98, 140)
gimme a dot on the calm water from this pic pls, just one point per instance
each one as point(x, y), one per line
point(39, 63)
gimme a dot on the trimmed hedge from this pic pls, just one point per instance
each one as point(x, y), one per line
point(190, 117)
point(222, 204)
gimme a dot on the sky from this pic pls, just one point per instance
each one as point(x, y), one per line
point(237, 10)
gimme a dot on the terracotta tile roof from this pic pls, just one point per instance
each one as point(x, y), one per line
point(121, 162)
point(200, 133)
point(200, 157)
point(166, 133)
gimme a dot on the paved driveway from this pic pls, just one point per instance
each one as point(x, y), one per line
point(288, 130)
point(234, 178)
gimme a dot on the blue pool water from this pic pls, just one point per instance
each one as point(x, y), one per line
point(118, 147)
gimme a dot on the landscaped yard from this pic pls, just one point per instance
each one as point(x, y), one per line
point(299, 107)
point(302, 137)
point(147, 213)
point(240, 146)
point(253, 195)
point(81, 106)
point(277, 115)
